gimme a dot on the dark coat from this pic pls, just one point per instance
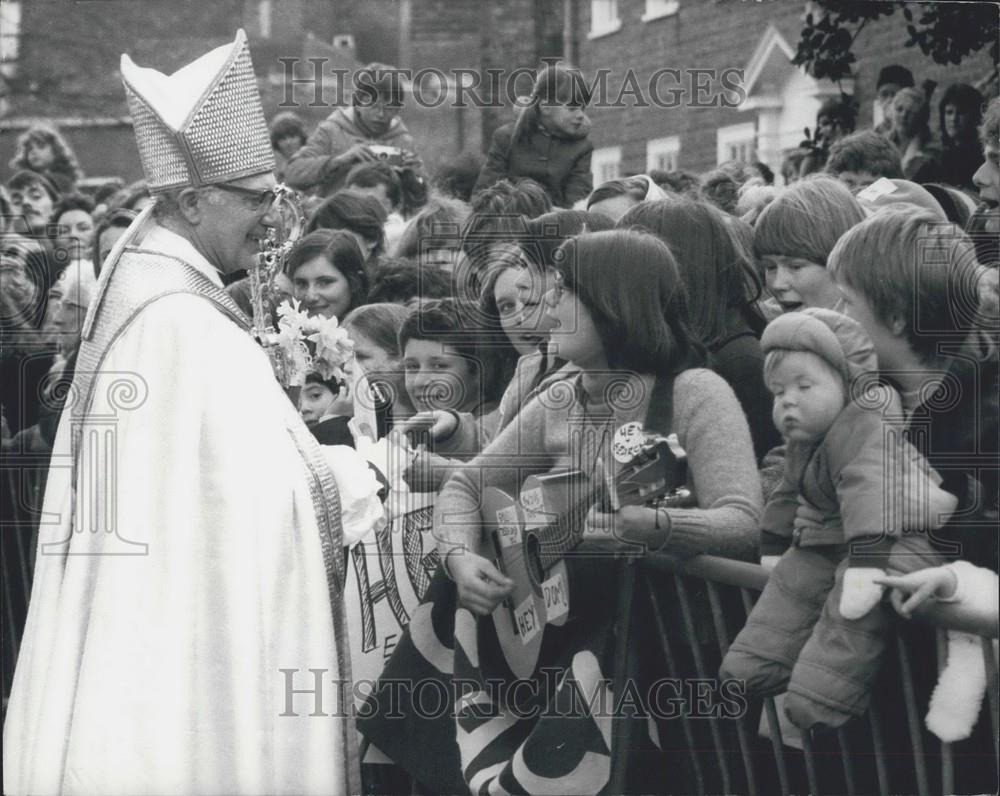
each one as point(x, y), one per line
point(560, 165)
point(958, 431)
point(313, 167)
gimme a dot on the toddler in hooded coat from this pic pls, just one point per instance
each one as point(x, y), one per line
point(856, 500)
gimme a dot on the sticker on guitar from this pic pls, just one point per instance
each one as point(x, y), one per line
point(508, 527)
point(628, 442)
point(556, 596)
point(526, 620)
point(533, 505)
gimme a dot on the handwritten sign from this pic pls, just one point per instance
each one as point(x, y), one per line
point(508, 529)
point(526, 620)
point(556, 597)
point(533, 503)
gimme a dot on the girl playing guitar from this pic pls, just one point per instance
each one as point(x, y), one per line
point(619, 311)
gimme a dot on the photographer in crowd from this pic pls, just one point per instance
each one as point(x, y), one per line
point(368, 130)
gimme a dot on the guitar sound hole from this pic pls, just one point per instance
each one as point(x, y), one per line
point(533, 560)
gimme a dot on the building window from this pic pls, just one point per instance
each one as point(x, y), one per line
point(604, 18)
point(657, 9)
point(737, 142)
point(10, 36)
point(606, 163)
point(264, 18)
point(663, 153)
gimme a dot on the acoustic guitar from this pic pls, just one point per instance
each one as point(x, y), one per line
point(528, 538)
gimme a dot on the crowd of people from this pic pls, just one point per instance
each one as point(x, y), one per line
point(823, 353)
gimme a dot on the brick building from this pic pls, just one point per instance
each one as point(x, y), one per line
point(720, 36)
point(60, 62)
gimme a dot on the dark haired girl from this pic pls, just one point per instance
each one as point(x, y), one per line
point(42, 149)
point(327, 272)
point(961, 111)
point(640, 371)
point(722, 289)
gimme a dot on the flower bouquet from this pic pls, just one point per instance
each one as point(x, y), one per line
point(304, 344)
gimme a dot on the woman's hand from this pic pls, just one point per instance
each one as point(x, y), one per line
point(921, 586)
point(631, 529)
point(481, 586)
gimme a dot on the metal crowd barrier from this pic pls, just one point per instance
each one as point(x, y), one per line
point(730, 757)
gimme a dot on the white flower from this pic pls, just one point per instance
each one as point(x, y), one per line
point(291, 317)
point(332, 347)
point(308, 343)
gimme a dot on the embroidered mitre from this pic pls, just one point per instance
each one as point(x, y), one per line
point(203, 124)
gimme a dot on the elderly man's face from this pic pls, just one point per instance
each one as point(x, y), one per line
point(34, 204)
point(235, 218)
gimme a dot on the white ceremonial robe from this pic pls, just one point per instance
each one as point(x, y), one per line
point(152, 658)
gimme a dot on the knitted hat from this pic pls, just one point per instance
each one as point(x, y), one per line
point(885, 191)
point(894, 73)
point(840, 341)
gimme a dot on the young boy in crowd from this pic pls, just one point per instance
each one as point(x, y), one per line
point(855, 500)
point(447, 367)
point(857, 160)
point(323, 412)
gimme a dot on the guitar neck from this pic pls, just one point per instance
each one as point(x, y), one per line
point(637, 484)
point(566, 532)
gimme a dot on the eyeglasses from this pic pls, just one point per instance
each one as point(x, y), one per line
point(262, 200)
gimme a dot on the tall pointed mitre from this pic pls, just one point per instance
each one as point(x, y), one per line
point(201, 125)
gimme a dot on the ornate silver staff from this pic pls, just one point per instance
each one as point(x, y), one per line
point(270, 262)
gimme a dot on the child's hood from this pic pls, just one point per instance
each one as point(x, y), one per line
point(839, 340)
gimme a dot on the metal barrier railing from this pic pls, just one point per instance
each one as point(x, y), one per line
point(731, 758)
point(855, 759)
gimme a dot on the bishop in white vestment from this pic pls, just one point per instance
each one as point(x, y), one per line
point(191, 553)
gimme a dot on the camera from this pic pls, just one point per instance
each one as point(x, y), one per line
point(390, 153)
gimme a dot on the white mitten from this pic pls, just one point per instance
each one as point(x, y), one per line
point(960, 688)
point(860, 593)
